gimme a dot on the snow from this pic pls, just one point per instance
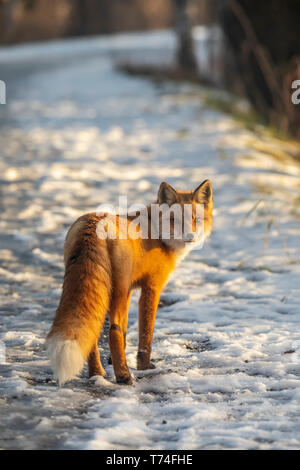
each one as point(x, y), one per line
point(76, 133)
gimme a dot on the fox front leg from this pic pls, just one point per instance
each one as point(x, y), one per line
point(147, 310)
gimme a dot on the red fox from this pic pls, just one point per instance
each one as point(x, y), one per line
point(101, 273)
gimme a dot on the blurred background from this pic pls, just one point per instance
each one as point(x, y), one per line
point(250, 48)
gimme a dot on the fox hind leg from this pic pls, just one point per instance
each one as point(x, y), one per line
point(118, 322)
point(95, 366)
point(124, 323)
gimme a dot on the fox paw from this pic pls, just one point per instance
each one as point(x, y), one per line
point(94, 372)
point(143, 361)
point(142, 366)
point(124, 380)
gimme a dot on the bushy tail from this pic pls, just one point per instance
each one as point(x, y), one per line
point(83, 305)
point(66, 358)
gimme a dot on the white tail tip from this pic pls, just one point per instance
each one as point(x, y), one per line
point(65, 357)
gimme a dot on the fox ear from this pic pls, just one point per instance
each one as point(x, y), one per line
point(166, 194)
point(203, 194)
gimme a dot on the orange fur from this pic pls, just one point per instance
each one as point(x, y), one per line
point(100, 276)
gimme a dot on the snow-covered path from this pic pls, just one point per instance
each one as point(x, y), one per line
point(76, 133)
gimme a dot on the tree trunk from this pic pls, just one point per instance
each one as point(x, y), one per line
point(79, 18)
point(185, 55)
point(9, 12)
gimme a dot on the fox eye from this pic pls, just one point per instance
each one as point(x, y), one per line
point(198, 219)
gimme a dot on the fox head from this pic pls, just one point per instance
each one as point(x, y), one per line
point(188, 214)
